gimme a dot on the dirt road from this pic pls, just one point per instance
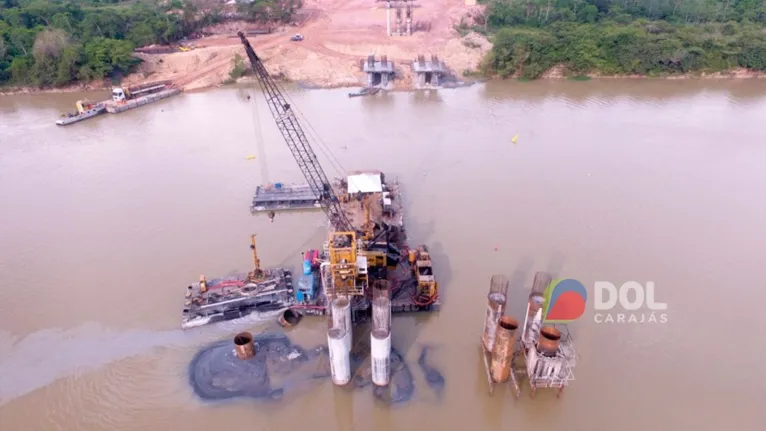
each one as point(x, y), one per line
point(337, 34)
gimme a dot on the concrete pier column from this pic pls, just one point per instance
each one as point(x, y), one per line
point(380, 341)
point(340, 361)
point(388, 18)
point(341, 318)
point(380, 344)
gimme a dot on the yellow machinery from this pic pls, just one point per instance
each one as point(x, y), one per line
point(420, 262)
point(257, 273)
point(348, 269)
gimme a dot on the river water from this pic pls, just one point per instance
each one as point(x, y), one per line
point(104, 223)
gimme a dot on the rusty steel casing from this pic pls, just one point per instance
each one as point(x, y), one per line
point(244, 346)
point(548, 343)
point(496, 300)
point(502, 355)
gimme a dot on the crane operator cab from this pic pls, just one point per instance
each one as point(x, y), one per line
point(118, 94)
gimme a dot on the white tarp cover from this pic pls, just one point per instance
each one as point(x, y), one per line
point(364, 183)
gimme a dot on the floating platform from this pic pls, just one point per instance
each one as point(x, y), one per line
point(116, 108)
point(237, 296)
point(279, 197)
point(367, 196)
point(382, 256)
point(97, 109)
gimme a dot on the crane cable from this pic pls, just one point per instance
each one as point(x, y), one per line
point(259, 142)
point(334, 162)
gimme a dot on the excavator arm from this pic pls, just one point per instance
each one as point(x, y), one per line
point(295, 138)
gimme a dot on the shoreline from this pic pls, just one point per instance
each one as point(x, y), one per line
point(555, 73)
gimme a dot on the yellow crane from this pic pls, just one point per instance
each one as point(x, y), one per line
point(257, 273)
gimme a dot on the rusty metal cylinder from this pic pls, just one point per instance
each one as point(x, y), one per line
point(502, 355)
point(548, 343)
point(244, 346)
point(289, 318)
point(496, 299)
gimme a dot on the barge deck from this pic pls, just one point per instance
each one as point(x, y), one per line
point(113, 107)
point(280, 197)
point(381, 254)
point(356, 265)
point(229, 298)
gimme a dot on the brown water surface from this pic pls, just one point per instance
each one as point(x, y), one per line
point(104, 223)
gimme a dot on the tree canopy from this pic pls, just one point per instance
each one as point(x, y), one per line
point(56, 42)
point(651, 37)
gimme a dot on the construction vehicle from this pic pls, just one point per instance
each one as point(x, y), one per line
point(420, 263)
point(121, 95)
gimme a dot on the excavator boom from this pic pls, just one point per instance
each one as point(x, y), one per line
point(295, 138)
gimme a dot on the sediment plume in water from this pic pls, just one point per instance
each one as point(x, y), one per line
point(279, 367)
point(42, 357)
point(434, 377)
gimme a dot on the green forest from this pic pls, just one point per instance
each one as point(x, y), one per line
point(648, 37)
point(50, 43)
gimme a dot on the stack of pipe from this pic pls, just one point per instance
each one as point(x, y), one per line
point(380, 337)
point(339, 342)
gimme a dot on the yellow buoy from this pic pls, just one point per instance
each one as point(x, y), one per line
point(249, 157)
point(515, 138)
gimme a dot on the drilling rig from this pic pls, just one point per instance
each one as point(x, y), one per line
point(351, 250)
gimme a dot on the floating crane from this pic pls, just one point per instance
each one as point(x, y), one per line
point(296, 140)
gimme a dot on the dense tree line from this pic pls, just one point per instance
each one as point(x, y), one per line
point(56, 42)
point(650, 37)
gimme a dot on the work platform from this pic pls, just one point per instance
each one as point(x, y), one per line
point(378, 72)
point(228, 298)
point(428, 72)
point(115, 107)
point(278, 197)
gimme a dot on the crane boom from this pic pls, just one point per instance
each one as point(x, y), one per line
point(295, 138)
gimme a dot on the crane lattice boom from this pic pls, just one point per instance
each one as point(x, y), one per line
point(295, 138)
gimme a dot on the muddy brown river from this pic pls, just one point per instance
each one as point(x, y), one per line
point(104, 223)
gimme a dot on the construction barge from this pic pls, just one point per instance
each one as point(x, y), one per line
point(364, 269)
point(124, 99)
point(279, 197)
point(343, 267)
point(357, 265)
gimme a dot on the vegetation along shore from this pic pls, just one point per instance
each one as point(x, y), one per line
point(62, 45)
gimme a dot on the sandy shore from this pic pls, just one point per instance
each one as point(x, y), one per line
point(338, 34)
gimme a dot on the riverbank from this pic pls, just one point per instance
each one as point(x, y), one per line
point(338, 34)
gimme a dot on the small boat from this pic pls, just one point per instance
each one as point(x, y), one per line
point(367, 91)
point(84, 111)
